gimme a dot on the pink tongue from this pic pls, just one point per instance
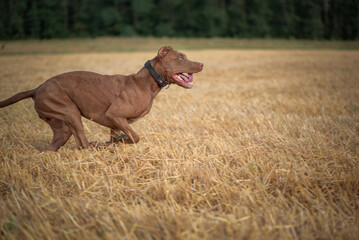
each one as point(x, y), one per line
point(190, 77)
point(187, 79)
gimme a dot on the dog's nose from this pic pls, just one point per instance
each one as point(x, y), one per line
point(201, 66)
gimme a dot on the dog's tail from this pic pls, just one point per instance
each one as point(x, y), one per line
point(17, 97)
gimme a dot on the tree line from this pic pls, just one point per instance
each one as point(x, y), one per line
point(302, 19)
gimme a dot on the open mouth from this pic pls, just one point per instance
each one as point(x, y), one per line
point(184, 79)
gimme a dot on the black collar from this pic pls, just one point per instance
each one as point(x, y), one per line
point(158, 78)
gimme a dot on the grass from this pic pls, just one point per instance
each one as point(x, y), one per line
point(112, 44)
point(265, 146)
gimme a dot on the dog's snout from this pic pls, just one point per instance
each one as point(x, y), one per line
point(200, 65)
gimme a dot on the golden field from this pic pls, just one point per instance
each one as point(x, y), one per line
point(265, 146)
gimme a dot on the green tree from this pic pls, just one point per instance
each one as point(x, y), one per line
point(3, 20)
point(257, 18)
point(312, 19)
point(16, 10)
point(282, 19)
point(237, 18)
point(33, 21)
point(212, 18)
point(142, 12)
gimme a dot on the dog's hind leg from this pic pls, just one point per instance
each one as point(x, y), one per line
point(70, 119)
point(52, 102)
point(61, 131)
point(74, 122)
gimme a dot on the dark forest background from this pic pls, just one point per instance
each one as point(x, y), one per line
point(302, 19)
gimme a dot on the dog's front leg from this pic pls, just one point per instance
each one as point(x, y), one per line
point(118, 136)
point(129, 136)
point(120, 124)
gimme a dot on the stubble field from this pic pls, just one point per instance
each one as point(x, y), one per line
point(265, 146)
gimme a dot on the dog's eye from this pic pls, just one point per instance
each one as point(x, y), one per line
point(180, 59)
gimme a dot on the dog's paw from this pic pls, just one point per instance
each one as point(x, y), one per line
point(122, 138)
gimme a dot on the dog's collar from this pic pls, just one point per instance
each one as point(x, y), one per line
point(158, 78)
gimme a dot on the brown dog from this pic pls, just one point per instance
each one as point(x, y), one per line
point(114, 101)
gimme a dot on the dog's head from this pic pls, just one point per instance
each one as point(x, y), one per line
point(176, 68)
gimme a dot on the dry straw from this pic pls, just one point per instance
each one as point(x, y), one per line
point(265, 146)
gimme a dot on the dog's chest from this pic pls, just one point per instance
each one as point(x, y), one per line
point(134, 119)
point(141, 112)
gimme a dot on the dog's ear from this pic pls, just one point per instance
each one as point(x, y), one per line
point(163, 51)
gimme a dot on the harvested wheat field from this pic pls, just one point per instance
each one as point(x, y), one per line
point(265, 146)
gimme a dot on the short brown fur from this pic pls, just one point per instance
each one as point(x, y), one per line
point(114, 101)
